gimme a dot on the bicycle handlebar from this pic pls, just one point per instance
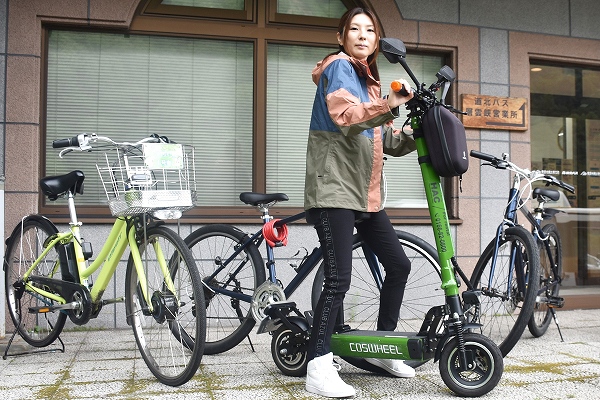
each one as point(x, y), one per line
point(70, 142)
point(502, 163)
point(82, 142)
point(482, 156)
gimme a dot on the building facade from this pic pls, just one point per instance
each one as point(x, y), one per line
point(233, 77)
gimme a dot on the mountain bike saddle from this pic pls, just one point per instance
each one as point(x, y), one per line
point(547, 193)
point(255, 199)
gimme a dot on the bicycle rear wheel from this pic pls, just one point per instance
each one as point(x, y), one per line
point(24, 246)
point(549, 280)
point(228, 320)
point(170, 331)
point(361, 303)
point(505, 309)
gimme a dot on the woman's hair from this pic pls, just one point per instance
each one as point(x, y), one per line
point(344, 27)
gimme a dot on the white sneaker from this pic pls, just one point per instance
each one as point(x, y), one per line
point(322, 378)
point(395, 367)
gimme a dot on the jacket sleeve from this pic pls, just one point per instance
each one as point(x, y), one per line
point(347, 111)
point(397, 143)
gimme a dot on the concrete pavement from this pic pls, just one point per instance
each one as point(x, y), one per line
point(106, 364)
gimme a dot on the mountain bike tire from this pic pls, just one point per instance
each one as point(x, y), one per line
point(505, 315)
point(549, 280)
point(361, 303)
point(228, 320)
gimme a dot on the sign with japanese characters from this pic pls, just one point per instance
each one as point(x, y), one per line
point(489, 112)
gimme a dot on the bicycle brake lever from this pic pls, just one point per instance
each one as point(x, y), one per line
point(65, 151)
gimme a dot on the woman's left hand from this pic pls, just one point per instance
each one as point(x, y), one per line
point(395, 99)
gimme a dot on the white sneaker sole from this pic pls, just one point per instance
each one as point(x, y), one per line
point(337, 395)
point(378, 363)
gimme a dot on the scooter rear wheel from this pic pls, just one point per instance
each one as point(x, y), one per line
point(289, 351)
point(480, 377)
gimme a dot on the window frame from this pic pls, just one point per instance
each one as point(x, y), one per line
point(261, 35)
point(277, 18)
point(154, 7)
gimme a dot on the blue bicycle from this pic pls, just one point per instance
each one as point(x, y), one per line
point(511, 299)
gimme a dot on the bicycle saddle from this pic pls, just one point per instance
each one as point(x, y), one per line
point(547, 193)
point(55, 186)
point(255, 199)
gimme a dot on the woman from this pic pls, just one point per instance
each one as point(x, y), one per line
point(350, 130)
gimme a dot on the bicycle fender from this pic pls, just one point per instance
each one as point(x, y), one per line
point(30, 217)
point(300, 322)
point(294, 323)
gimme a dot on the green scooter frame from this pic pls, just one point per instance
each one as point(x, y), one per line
point(470, 364)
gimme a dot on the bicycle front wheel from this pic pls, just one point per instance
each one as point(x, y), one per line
point(24, 246)
point(168, 318)
point(228, 317)
point(506, 305)
point(549, 280)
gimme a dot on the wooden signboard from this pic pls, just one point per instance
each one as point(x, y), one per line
point(489, 112)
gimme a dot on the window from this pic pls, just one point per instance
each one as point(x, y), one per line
point(565, 141)
point(243, 101)
point(222, 9)
point(130, 86)
point(319, 13)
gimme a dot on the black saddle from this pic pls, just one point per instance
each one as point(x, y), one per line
point(55, 186)
point(262, 198)
point(546, 194)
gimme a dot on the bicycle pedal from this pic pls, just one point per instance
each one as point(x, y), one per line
point(40, 310)
point(556, 302)
point(58, 307)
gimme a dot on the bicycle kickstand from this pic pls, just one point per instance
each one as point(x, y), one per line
point(556, 322)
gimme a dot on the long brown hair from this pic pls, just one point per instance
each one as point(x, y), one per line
point(344, 27)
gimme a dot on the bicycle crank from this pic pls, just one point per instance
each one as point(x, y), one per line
point(264, 295)
point(78, 305)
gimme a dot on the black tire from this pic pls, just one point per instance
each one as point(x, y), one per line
point(483, 377)
point(228, 321)
point(24, 246)
point(361, 303)
point(504, 315)
point(289, 351)
point(549, 281)
point(171, 336)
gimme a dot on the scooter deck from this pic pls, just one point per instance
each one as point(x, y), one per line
point(379, 344)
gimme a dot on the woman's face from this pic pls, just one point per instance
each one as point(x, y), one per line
point(360, 40)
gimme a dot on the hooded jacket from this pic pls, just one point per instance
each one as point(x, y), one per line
point(350, 130)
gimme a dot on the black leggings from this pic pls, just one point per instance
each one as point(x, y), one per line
point(335, 228)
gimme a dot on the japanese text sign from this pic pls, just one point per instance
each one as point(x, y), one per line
point(489, 112)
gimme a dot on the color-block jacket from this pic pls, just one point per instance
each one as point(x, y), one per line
point(350, 130)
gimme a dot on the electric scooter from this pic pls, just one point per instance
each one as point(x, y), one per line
point(470, 364)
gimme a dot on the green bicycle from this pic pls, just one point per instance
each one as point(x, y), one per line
point(48, 278)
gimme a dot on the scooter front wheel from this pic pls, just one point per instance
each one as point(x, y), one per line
point(484, 369)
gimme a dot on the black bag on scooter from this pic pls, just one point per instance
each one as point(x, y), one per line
point(446, 140)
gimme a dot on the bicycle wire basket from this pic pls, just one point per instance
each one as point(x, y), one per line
point(148, 177)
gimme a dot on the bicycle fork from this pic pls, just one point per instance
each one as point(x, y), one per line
point(140, 267)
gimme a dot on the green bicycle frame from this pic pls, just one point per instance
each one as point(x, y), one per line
point(121, 235)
